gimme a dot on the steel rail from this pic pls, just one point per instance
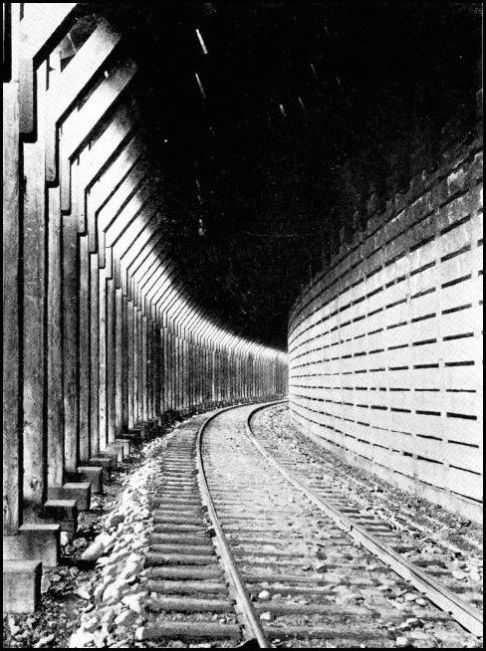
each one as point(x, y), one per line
point(243, 601)
point(467, 616)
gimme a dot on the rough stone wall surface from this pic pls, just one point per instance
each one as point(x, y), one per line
point(385, 345)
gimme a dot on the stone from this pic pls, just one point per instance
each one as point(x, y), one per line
point(99, 639)
point(14, 629)
point(410, 596)
point(135, 602)
point(402, 641)
point(126, 618)
point(45, 583)
point(113, 520)
point(91, 624)
point(83, 591)
point(43, 641)
point(112, 593)
point(80, 639)
point(98, 547)
point(419, 635)
point(108, 616)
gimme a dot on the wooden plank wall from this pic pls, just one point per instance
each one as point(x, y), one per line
point(99, 335)
point(385, 346)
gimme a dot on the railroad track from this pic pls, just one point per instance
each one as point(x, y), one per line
point(241, 550)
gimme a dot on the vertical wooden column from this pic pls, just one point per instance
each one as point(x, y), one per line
point(125, 362)
point(163, 363)
point(12, 252)
point(34, 305)
point(139, 366)
point(102, 410)
point(70, 332)
point(135, 355)
point(55, 401)
point(170, 367)
point(110, 359)
point(144, 365)
point(148, 364)
point(55, 370)
point(119, 366)
point(94, 402)
point(155, 369)
point(163, 371)
point(131, 362)
point(174, 367)
point(83, 349)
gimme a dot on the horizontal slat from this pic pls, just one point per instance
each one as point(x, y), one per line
point(465, 483)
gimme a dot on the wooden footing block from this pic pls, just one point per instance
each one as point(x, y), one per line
point(125, 445)
point(62, 512)
point(79, 491)
point(91, 474)
point(39, 542)
point(115, 450)
point(21, 586)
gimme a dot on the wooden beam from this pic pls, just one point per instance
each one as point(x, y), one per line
point(132, 184)
point(100, 155)
point(73, 82)
point(133, 241)
point(144, 258)
point(108, 183)
point(42, 24)
point(81, 123)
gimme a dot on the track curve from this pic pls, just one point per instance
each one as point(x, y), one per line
point(243, 552)
point(280, 532)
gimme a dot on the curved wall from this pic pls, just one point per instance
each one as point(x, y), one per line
point(385, 346)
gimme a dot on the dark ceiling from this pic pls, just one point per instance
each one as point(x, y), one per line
point(252, 162)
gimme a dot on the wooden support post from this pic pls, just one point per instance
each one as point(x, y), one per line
point(125, 362)
point(55, 399)
point(34, 306)
point(12, 252)
point(143, 366)
point(94, 354)
point(131, 362)
point(110, 360)
point(137, 364)
point(119, 334)
point(70, 336)
point(83, 350)
point(102, 361)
